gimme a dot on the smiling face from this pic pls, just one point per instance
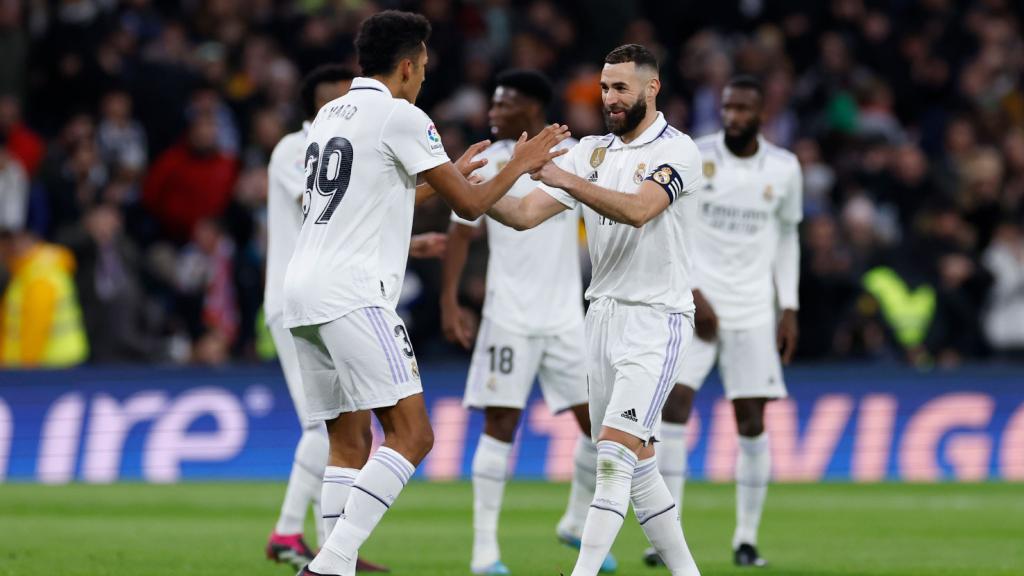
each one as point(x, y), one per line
point(626, 91)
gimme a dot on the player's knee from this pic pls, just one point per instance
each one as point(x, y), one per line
point(678, 406)
point(501, 423)
point(750, 427)
point(424, 442)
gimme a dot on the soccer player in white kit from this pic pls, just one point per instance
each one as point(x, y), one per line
point(286, 182)
point(532, 326)
point(633, 185)
point(746, 262)
point(363, 154)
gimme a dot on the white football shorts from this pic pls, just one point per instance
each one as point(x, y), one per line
point(748, 362)
point(505, 364)
point(633, 356)
point(361, 361)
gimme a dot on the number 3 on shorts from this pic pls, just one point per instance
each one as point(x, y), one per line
point(401, 332)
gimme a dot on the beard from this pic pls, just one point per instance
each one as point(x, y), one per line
point(633, 117)
point(742, 139)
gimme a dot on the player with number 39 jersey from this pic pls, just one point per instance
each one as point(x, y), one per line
point(366, 149)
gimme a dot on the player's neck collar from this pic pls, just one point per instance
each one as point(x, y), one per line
point(364, 83)
point(655, 130)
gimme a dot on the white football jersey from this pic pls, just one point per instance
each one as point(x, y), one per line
point(735, 228)
point(647, 265)
point(533, 277)
point(286, 179)
point(362, 155)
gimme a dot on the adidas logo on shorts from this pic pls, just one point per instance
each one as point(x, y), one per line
point(629, 415)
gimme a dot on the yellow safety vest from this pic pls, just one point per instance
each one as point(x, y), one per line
point(67, 343)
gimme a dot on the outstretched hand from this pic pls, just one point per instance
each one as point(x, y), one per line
point(466, 165)
point(530, 155)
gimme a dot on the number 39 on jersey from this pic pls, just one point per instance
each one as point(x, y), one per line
point(327, 176)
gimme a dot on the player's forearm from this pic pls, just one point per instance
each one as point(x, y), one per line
point(509, 211)
point(618, 206)
point(787, 267)
point(454, 262)
point(486, 194)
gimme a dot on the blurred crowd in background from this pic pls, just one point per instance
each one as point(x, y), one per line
point(135, 135)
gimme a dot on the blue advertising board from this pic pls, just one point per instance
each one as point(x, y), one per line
point(844, 422)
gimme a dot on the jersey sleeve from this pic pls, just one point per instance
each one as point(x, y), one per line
point(791, 208)
point(411, 138)
point(284, 173)
point(677, 168)
point(569, 163)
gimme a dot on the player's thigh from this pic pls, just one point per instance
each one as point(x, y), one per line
point(502, 369)
point(749, 363)
point(563, 369)
point(696, 362)
point(646, 358)
point(376, 362)
point(287, 355)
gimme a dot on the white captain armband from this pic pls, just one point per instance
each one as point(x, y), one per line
point(667, 177)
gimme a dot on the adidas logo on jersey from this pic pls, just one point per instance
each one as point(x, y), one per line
point(629, 415)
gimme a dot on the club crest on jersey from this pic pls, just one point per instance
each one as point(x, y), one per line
point(709, 169)
point(768, 193)
point(641, 171)
point(597, 156)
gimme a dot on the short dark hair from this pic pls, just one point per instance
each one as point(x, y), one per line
point(328, 73)
point(529, 83)
point(636, 53)
point(387, 37)
point(746, 82)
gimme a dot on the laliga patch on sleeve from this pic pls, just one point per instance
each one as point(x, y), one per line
point(667, 177)
point(433, 138)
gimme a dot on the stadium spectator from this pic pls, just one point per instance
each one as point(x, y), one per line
point(122, 139)
point(13, 190)
point(207, 298)
point(23, 143)
point(42, 319)
point(108, 279)
point(190, 181)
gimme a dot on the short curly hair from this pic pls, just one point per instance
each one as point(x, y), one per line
point(635, 53)
point(387, 37)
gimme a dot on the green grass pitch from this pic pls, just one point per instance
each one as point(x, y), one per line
point(220, 529)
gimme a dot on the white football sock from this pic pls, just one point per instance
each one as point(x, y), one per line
point(615, 465)
point(659, 517)
point(304, 481)
point(672, 459)
point(490, 470)
point(753, 471)
point(336, 486)
point(581, 492)
point(374, 491)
